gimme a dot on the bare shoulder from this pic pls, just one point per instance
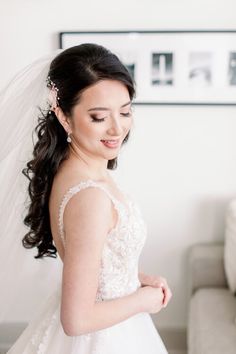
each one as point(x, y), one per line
point(90, 201)
point(88, 212)
point(87, 209)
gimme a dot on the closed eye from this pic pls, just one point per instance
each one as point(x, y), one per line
point(98, 120)
point(128, 114)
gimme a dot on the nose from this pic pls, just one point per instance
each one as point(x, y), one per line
point(115, 127)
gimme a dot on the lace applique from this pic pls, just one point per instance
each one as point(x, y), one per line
point(40, 338)
point(118, 274)
point(119, 263)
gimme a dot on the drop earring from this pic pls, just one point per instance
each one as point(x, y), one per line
point(68, 138)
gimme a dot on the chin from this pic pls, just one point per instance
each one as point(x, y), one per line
point(111, 156)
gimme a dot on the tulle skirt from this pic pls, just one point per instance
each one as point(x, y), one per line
point(45, 335)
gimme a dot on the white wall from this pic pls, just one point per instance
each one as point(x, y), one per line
point(180, 164)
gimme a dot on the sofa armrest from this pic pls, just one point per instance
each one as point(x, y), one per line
point(206, 266)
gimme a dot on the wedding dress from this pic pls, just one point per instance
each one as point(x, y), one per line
point(118, 277)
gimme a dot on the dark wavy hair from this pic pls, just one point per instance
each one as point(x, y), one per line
point(72, 71)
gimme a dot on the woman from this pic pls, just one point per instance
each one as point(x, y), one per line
point(103, 303)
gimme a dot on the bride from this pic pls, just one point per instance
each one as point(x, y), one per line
point(103, 303)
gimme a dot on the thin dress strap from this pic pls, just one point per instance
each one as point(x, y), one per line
point(75, 189)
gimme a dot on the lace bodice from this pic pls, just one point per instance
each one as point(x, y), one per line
point(119, 262)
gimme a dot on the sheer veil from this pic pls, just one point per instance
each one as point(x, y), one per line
point(24, 281)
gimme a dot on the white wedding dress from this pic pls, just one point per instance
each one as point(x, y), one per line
point(118, 277)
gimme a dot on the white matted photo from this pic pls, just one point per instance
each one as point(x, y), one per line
point(172, 67)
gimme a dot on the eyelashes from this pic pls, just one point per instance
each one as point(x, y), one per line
point(128, 114)
point(99, 120)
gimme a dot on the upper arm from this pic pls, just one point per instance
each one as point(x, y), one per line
point(87, 220)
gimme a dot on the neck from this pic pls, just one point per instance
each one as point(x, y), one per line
point(92, 167)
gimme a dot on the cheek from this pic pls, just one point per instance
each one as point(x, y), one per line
point(84, 130)
point(128, 124)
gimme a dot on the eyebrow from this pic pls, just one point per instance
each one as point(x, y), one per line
point(105, 108)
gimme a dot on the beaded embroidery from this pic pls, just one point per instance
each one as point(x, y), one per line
point(124, 243)
point(119, 264)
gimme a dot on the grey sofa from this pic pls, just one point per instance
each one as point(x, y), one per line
point(212, 307)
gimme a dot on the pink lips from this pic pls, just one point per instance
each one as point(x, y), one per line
point(111, 143)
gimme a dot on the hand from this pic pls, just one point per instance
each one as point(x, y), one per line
point(157, 282)
point(150, 299)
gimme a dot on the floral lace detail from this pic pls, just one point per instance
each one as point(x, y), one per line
point(118, 274)
point(41, 343)
point(119, 263)
point(40, 338)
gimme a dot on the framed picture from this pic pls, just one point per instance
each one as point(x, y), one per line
point(172, 67)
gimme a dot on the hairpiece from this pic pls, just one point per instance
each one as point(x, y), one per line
point(53, 97)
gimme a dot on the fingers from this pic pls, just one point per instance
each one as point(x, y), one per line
point(162, 282)
point(159, 282)
point(167, 295)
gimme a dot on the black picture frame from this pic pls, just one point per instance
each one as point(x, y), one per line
point(172, 67)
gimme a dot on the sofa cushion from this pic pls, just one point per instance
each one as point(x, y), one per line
point(230, 246)
point(211, 322)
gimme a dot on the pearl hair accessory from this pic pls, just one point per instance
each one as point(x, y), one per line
point(53, 97)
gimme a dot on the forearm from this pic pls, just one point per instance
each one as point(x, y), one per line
point(108, 313)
